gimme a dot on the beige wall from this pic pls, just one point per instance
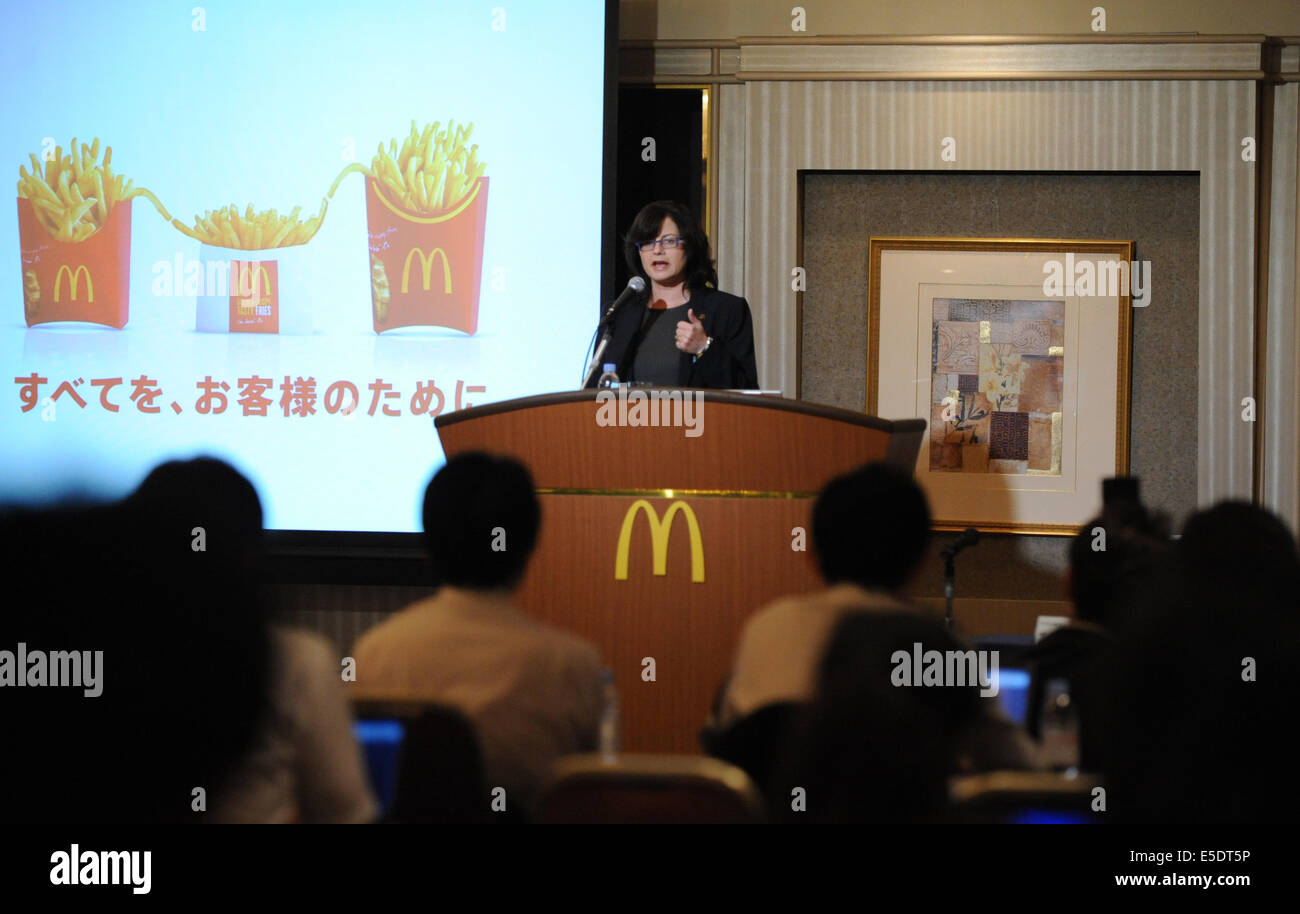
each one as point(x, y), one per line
point(643, 19)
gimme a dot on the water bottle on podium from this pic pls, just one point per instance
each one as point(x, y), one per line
point(609, 723)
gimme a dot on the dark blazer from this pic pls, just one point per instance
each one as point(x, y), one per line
point(729, 361)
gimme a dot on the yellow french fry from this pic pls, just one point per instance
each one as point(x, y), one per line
point(439, 184)
point(73, 216)
point(43, 205)
point(430, 184)
point(38, 189)
point(278, 238)
point(148, 195)
point(355, 166)
point(388, 163)
point(410, 181)
point(102, 197)
point(181, 226)
point(421, 192)
point(395, 187)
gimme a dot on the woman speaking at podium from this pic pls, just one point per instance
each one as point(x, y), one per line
point(681, 331)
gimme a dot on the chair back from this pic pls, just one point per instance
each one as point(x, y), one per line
point(757, 742)
point(438, 774)
point(1025, 797)
point(649, 789)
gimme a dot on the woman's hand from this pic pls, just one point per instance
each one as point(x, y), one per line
point(690, 334)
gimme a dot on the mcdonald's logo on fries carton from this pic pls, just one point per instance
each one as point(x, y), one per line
point(660, 531)
point(86, 280)
point(255, 291)
point(426, 270)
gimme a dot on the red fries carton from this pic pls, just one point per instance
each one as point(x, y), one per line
point(76, 281)
point(425, 271)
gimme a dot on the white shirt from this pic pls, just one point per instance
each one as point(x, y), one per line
point(307, 766)
point(781, 647)
point(533, 692)
point(782, 644)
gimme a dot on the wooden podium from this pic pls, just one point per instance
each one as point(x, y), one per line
point(666, 598)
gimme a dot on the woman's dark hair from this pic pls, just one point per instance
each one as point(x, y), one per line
point(700, 271)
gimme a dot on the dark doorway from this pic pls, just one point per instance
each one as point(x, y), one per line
point(674, 119)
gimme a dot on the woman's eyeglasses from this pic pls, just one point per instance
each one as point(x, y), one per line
point(667, 241)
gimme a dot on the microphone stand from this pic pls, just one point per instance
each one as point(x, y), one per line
point(595, 358)
point(968, 537)
point(634, 286)
point(949, 584)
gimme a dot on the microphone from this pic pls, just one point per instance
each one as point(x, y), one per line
point(968, 537)
point(635, 286)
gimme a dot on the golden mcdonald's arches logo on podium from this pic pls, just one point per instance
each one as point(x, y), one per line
point(426, 269)
point(660, 531)
point(73, 278)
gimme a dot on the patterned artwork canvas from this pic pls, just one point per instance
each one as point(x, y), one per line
point(996, 370)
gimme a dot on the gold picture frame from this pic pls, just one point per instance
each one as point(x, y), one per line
point(1037, 469)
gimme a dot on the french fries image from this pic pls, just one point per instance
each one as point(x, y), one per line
point(250, 231)
point(430, 175)
point(380, 293)
point(31, 292)
point(74, 193)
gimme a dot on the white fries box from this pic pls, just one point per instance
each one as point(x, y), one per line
point(269, 291)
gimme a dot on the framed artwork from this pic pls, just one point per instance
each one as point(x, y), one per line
point(1017, 352)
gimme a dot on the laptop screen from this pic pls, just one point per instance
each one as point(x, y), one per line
point(381, 743)
point(1013, 694)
